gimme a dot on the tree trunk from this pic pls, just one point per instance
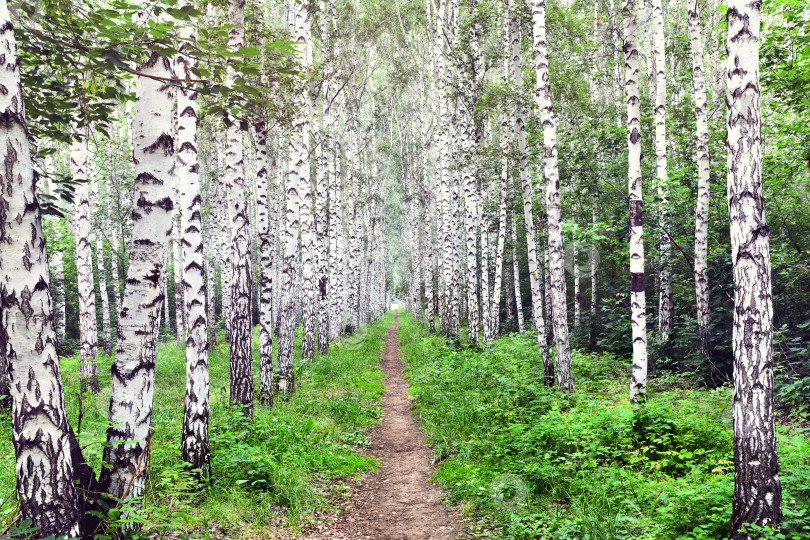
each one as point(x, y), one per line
point(535, 279)
point(115, 249)
point(41, 435)
point(757, 490)
point(297, 176)
point(241, 318)
point(195, 449)
point(542, 94)
point(577, 281)
point(266, 250)
point(495, 298)
point(703, 196)
point(177, 252)
point(212, 249)
point(516, 270)
point(57, 268)
point(355, 224)
point(447, 242)
point(335, 210)
point(486, 266)
point(308, 231)
point(638, 309)
point(133, 372)
point(99, 196)
point(322, 225)
point(88, 331)
point(665, 306)
point(594, 265)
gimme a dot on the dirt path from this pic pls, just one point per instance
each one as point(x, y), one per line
point(396, 503)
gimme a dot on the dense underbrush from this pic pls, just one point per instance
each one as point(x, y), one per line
point(279, 469)
point(588, 464)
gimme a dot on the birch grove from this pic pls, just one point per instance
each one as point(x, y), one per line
point(244, 193)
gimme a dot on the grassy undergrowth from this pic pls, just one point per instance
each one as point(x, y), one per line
point(585, 465)
point(277, 470)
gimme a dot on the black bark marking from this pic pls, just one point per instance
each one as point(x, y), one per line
point(637, 282)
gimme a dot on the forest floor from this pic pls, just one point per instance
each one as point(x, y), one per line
point(397, 502)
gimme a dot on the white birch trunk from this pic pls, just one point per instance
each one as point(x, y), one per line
point(665, 307)
point(703, 193)
point(335, 210)
point(41, 435)
point(757, 489)
point(515, 267)
point(355, 225)
point(266, 250)
point(297, 183)
point(577, 284)
point(542, 94)
point(594, 266)
point(101, 226)
point(241, 388)
point(133, 371)
point(57, 269)
point(527, 191)
point(495, 298)
point(486, 311)
point(638, 309)
point(195, 447)
point(177, 253)
point(309, 252)
point(88, 331)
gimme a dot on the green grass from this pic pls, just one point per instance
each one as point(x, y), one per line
point(593, 466)
point(278, 470)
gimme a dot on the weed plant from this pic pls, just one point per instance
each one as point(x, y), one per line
point(275, 470)
point(593, 466)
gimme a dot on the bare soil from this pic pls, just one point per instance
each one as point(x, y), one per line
point(398, 502)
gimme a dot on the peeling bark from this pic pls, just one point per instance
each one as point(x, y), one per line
point(757, 489)
point(133, 371)
point(241, 305)
point(40, 432)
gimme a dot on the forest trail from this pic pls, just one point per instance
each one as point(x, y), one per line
point(398, 502)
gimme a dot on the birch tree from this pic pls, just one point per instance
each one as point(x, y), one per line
point(41, 435)
point(88, 332)
point(516, 270)
point(241, 390)
point(757, 489)
point(308, 231)
point(665, 306)
point(195, 448)
point(99, 196)
point(638, 310)
point(703, 195)
point(266, 250)
point(297, 174)
point(542, 96)
point(133, 371)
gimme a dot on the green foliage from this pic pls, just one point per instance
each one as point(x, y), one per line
point(289, 461)
point(594, 465)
